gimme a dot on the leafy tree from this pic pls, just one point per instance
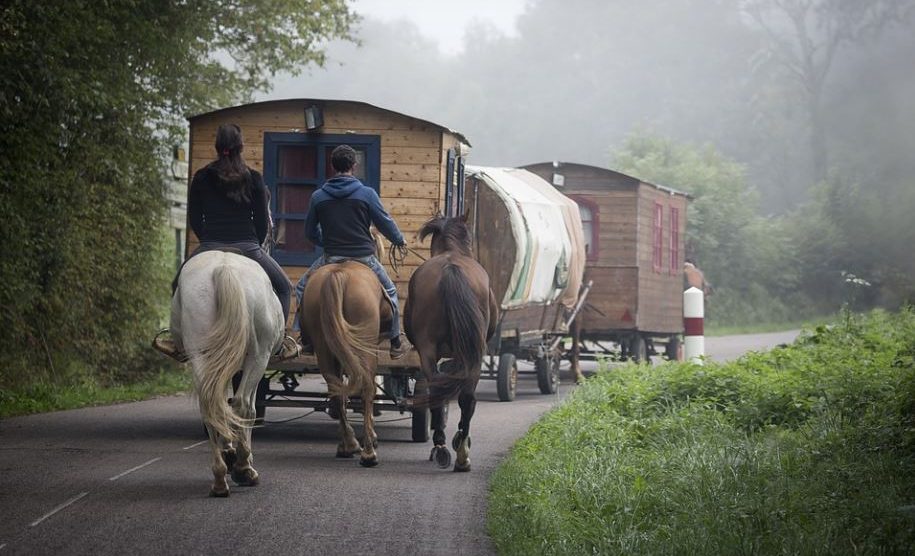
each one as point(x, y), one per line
point(92, 93)
point(804, 37)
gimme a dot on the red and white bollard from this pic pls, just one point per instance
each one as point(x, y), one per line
point(693, 325)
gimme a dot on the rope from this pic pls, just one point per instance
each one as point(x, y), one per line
point(397, 254)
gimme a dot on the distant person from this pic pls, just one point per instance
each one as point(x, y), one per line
point(695, 278)
point(339, 217)
point(228, 209)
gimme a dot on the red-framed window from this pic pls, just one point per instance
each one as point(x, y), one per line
point(657, 238)
point(590, 225)
point(674, 236)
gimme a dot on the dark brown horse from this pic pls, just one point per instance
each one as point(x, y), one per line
point(342, 310)
point(450, 313)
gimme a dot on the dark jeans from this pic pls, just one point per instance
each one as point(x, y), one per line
point(253, 251)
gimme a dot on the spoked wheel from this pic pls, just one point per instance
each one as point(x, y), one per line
point(547, 368)
point(507, 377)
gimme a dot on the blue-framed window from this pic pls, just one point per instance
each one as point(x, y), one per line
point(454, 184)
point(295, 165)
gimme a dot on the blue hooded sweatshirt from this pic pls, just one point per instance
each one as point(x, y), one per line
point(339, 216)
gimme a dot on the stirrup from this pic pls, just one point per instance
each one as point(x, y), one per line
point(168, 347)
point(289, 349)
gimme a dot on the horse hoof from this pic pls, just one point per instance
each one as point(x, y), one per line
point(219, 493)
point(248, 477)
point(229, 457)
point(442, 457)
point(368, 462)
point(462, 468)
point(456, 440)
point(345, 454)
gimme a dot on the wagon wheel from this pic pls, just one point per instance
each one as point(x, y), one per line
point(507, 377)
point(547, 368)
point(672, 351)
point(638, 349)
point(422, 421)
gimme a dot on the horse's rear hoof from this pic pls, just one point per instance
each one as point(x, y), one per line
point(248, 477)
point(458, 468)
point(229, 457)
point(343, 453)
point(219, 493)
point(368, 462)
point(441, 456)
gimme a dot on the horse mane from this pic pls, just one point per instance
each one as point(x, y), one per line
point(452, 231)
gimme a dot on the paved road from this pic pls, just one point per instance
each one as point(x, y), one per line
point(133, 479)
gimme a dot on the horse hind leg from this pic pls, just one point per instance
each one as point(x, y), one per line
point(336, 409)
point(220, 457)
point(243, 472)
point(437, 400)
point(348, 445)
point(461, 441)
point(368, 458)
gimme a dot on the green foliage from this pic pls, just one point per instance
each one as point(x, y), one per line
point(91, 96)
point(84, 391)
point(805, 449)
point(850, 229)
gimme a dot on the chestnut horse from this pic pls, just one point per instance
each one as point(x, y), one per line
point(226, 318)
point(342, 311)
point(450, 313)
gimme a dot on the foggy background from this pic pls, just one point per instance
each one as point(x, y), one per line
point(571, 80)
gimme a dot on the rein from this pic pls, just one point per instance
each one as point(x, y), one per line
point(398, 254)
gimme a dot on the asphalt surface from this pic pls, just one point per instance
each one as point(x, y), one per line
point(134, 479)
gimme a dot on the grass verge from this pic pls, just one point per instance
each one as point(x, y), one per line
point(808, 449)
point(42, 396)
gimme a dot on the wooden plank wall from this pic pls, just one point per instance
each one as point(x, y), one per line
point(412, 160)
point(660, 293)
point(613, 300)
point(627, 292)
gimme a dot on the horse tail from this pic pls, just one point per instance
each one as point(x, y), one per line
point(342, 338)
point(467, 327)
point(223, 352)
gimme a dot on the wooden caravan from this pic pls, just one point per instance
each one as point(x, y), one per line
point(413, 164)
point(634, 234)
point(529, 239)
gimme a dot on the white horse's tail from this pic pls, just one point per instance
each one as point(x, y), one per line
point(223, 353)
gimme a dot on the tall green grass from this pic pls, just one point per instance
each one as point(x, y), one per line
point(808, 449)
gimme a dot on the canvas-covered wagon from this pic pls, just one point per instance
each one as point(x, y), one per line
point(634, 233)
point(414, 165)
point(528, 237)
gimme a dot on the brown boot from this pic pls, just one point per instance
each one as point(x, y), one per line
point(169, 347)
point(289, 349)
point(398, 349)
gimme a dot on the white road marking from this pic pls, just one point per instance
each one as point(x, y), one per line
point(57, 509)
point(132, 469)
point(195, 445)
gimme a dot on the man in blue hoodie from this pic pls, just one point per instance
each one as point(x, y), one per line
point(338, 220)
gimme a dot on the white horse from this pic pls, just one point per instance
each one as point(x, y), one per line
point(227, 319)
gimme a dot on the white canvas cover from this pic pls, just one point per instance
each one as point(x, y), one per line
point(545, 253)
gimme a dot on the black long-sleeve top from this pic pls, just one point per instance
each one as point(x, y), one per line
point(215, 217)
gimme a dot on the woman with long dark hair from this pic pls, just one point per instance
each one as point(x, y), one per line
point(228, 210)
